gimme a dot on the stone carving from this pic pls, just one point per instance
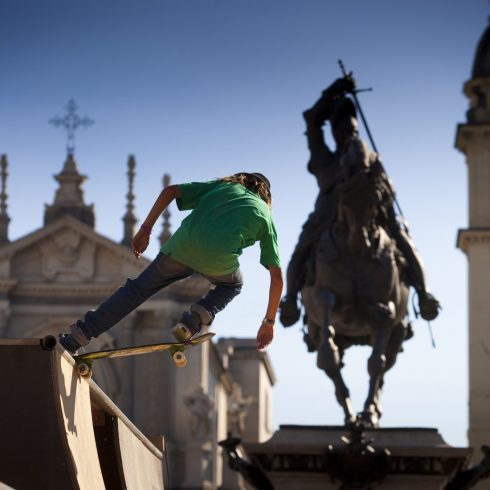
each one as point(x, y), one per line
point(238, 407)
point(200, 405)
point(67, 245)
point(68, 254)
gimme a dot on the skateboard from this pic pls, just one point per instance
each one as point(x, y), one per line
point(176, 349)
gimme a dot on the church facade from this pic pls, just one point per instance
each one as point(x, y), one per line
point(52, 276)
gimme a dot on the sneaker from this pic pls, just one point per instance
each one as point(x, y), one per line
point(75, 339)
point(188, 326)
point(67, 341)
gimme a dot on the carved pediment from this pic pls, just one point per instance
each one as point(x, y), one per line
point(69, 259)
point(67, 252)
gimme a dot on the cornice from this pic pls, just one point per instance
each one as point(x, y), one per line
point(61, 290)
point(467, 133)
point(469, 236)
point(7, 285)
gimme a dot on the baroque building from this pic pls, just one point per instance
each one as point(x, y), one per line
point(473, 139)
point(52, 276)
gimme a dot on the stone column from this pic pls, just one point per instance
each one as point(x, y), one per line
point(473, 139)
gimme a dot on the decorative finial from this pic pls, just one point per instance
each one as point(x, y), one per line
point(4, 217)
point(166, 233)
point(129, 218)
point(68, 199)
point(71, 121)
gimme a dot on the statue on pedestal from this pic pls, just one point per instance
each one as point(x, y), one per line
point(355, 260)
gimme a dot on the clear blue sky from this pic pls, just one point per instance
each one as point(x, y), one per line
point(204, 88)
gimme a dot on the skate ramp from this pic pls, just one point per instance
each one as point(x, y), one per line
point(60, 431)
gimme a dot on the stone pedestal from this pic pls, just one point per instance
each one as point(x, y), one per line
point(327, 457)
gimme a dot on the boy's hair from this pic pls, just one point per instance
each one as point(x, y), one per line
point(252, 182)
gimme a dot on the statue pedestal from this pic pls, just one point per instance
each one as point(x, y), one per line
point(327, 457)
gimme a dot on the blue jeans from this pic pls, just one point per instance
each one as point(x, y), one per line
point(162, 272)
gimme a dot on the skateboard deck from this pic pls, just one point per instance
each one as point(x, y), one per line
point(176, 349)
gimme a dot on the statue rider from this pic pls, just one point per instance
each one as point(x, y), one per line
point(326, 165)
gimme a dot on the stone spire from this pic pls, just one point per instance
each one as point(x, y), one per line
point(129, 219)
point(166, 233)
point(4, 217)
point(68, 199)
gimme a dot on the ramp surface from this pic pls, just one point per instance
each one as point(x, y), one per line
point(45, 421)
point(47, 431)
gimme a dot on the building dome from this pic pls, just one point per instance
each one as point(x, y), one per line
point(481, 65)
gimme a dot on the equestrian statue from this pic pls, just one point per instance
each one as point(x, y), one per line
point(355, 260)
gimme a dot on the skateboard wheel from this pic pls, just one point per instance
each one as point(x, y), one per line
point(85, 370)
point(179, 359)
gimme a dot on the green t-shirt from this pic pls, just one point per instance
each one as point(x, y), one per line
point(226, 218)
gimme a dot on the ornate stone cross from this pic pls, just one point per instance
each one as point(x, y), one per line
point(71, 121)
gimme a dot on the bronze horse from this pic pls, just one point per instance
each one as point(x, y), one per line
point(357, 294)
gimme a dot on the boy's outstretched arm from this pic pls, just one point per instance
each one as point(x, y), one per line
point(142, 237)
point(266, 330)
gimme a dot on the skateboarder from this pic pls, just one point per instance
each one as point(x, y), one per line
point(228, 214)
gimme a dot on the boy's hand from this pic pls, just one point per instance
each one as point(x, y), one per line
point(140, 242)
point(265, 335)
